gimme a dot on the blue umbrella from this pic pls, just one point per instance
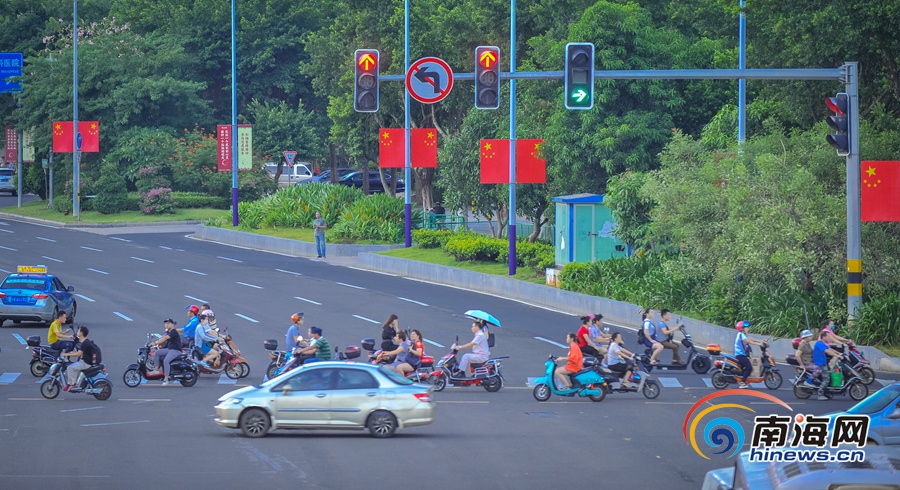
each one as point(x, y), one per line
point(482, 315)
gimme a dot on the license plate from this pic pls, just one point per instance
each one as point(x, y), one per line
point(18, 299)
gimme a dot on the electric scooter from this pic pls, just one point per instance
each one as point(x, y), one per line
point(700, 363)
point(728, 370)
point(852, 386)
point(641, 375)
point(587, 382)
point(181, 369)
point(486, 374)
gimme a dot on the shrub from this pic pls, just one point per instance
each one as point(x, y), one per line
point(431, 238)
point(111, 193)
point(158, 201)
point(878, 322)
point(377, 217)
point(296, 206)
point(469, 246)
point(63, 204)
point(535, 256)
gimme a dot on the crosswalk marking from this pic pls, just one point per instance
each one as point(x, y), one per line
point(225, 380)
point(670, 382)
point(708, 382)
point(20, 339)
point(9, 377)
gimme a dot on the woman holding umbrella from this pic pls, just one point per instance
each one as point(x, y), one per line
point(480, 351)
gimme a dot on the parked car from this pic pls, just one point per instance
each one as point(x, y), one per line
point(33, 295)
point(355, 179)
point(883, 409)
point(8, 181)
point(300, 172)
point(325, 176)
point(329, 395)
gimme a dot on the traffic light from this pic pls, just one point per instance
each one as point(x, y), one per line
point(487, 77)
point(840, 123)
point(579, 76)
point(365, 87)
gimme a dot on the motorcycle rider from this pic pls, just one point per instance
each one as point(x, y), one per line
point(171, 348)
point(207, 339)
point(320, 347)
point(190, 328)
point(619, 359)
point(741, 348)
point(575, 363)
point(585, 342)
point(56, 338)
point(480, 351)
point(293, 338)
point(650, 335)
point(805, 348)
point(821, 352)
point(86, 352)
point(669, 332)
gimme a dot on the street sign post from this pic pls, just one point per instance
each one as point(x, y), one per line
point(289, 157)
point(10, 66)
point(429, 80)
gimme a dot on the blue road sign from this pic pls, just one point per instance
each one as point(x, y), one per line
point(10, 66)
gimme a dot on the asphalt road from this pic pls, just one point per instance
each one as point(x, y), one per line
point(154, 435)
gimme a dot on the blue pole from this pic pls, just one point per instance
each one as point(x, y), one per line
point(407, 227)
point(76, 178)
point(234, 127)
point(742, 83)
point(512, 139)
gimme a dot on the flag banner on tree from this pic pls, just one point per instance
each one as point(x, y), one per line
point(12, 145)
point(63, 136)
point(880, 191)
point(531, 168)
point(223, 135)
point(392, 148)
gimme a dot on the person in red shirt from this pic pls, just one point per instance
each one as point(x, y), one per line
point(575, 363)
point(585, 342)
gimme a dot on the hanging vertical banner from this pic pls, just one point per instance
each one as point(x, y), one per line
point(28, 146)
point(223, 134)
point(245, 147)
point(12, 145)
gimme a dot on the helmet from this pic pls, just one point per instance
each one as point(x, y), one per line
point(296, 317)
point(741, 325)
point(193, 308)
point(208, 313)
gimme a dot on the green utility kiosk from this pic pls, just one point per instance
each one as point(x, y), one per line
point(584, 230)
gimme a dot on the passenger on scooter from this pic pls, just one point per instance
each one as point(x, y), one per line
point(619, 359)
point(600, 337)
point(669, 332)
point(821, 353)
point(413, 356)
point(320, 347)
point(480, 351)
point(805, 348)
point(741, 348)
point(837, 342)
point(56, 338)
point(585, 342)
point(86, 352)
point(650, 335)
point(575, 361)
point(388, 331)
point(293, 338)
point(170, 344)
point(207, 339)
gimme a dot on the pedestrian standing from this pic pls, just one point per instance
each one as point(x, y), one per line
point(319, 226)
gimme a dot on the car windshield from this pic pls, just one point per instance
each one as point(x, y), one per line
point(25, 282)
point(393, 376)
point(876, 402)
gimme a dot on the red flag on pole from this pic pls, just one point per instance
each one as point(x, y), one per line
point(90, 136)
point(880, 191)
point(424, 148)
point(391, 148)
point(495, 161)
point(531, 167)
point(62, 137)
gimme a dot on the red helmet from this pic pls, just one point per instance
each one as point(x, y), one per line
point(193, 309)
point(741, 325)
point(296, 317)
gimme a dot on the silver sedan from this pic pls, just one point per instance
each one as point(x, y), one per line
point(329, 395)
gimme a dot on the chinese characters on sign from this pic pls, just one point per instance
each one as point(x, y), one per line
point(12, 145)
point(223, 132)
point(245, 147)
point(10, 66)
point(810, 431)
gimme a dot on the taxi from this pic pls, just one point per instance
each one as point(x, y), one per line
point(33, 295)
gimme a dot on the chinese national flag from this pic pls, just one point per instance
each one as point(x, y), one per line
point(494, 161)
point(62, 137)
point(392, 148)
point(531, 167)
point(880, 191)
point(90, 136)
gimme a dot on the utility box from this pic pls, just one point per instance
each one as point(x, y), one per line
point(584, 230)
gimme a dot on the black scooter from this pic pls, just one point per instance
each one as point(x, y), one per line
point(700, 363)
point(182, 369)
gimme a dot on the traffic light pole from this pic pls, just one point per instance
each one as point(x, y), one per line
point(511, 227)
point(407, 191)
point(854, 239)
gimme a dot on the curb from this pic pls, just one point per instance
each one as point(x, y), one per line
point(79, 224)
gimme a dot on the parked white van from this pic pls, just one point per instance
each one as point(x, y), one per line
point(291, 175)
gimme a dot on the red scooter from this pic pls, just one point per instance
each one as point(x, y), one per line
point(484, 374)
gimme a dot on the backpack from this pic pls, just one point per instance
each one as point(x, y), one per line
point(98, 356)
point(490, 338)
point(640, 336)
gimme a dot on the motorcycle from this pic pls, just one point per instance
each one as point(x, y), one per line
point(641, 375)
point(856, 365)
point(92, 381)
point(587, 382)
point(42, 356)
point(282, 363)
point(229, 360)
point(182, 369)
point(852, 385)
point(419, 375)
point(728, 370)
point(699, 362)
point(485, 374)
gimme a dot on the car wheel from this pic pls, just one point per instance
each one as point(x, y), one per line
point(105, 388)
point(1, 321)
point(254, 422)
point(382, 424)
point(70, 319)
point(132, 378)
point(541, 392)
point(39, 368)
point(50, 389)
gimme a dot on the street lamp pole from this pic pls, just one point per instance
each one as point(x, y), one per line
point(76, 150)
point(234, 125)
point(742, 83)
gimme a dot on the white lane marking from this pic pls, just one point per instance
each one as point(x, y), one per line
point(226, 258)
point(366, 319)
point(4, 223)
point(246, 318)
point(79, 409)
point(289, 272)
point(143, 260)
point(495, 295)
point(9, 377)
point(91, 249)
point(707, 382)
point(249, 285)
point(307, 300)
point(147, 284)
point(225, 380)
point(6, 231)
point(4, 270)
point(194, 272)
point(50, 258)
point(120, 239)
point(84, 297)
point(10, 249)
point(116, 423)
point(432, 343)
point(201, 301)
point(369, 270)
point(412, 301)
point(551, 342)
point(122, 316)
point(350, 285)
point(20, 339)
point(98, 271)
point(45, 239)
point(165, 247)
point(669, 382)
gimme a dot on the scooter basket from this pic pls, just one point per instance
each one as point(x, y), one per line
point(426, 361)
point(33, 341)
point(714, 349)
point(368, 344)
point(351, 352)
point(270, 344)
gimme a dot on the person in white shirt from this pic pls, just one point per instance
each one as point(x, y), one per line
point(619, 359)
point(480, 352)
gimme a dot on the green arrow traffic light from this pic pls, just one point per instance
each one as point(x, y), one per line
point(579, 76)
